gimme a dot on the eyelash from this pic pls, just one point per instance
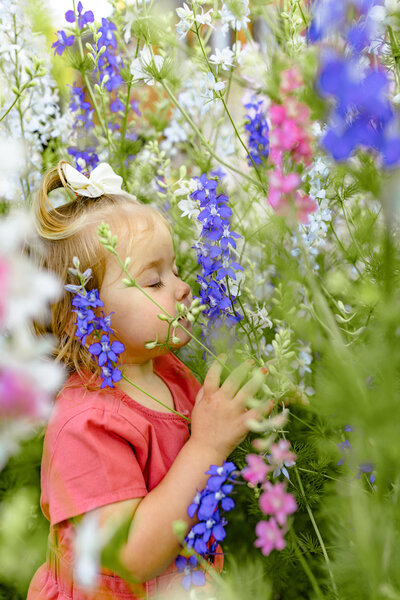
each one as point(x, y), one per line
point(160, 283)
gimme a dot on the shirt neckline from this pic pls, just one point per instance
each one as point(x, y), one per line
point(158, 414)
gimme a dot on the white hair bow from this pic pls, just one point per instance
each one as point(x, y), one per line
point(102, 180)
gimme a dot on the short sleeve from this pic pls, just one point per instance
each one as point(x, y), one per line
point(92, 464)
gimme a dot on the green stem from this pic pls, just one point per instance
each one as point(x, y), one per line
point(235, 311)
point(220, 96)
point(317, 532)
point(154, 398)
point(13, 104)
point(205, 141)
point(18, 103)
point(305, 565)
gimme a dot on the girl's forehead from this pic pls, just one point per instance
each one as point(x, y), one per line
point(145, 234)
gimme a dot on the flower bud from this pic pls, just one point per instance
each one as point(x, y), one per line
point(163, 317)
point(150, 345)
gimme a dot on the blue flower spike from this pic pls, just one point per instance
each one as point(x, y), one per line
point(203, 538)
point(84, 304)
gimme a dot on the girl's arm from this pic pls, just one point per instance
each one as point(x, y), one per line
point(218, 424)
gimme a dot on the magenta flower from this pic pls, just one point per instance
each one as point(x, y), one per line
point(281, 454)
point(19, 396)
point(276, 502)
point(270, 537)
point(256, 470)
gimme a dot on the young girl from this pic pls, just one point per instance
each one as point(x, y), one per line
point(114, 451)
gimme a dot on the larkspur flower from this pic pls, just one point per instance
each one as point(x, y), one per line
point(84, 305)
point(359, 23)
point(63, 42)
point(142, 68)
point(191, 575)
point(214, 249)
point(281, 458)
point(85, 160)
point(105, 350)
point(222, 58)
point(275, 501)
point(203, 538)
point(270, 537)
point(256, 471)
point(186, 17)
point(83, 17)
point(362, 116)
point(110, 62)
point(234, 14)
point(258, 131)
point(110, 375)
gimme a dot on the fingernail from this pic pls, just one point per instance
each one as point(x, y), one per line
point(250, 361)
point(264, 370)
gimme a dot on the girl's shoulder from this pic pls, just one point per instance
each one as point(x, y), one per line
point(81, 395)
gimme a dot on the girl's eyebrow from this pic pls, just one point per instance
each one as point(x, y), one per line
point(153, 263)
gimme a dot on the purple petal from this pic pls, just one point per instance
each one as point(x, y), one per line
point(70, 16)
point(95, 349)
point(117, 347)
point(198, 578)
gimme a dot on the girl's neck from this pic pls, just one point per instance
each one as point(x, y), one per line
point(139, 371)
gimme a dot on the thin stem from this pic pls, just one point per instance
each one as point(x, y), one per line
point(205, 141)
point(224, 104)
point(305, 565)
point(153, 397)
point(317, 531)
point(235, 311)
point(13, 104)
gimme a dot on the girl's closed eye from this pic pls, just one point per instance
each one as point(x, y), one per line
point(158, 284)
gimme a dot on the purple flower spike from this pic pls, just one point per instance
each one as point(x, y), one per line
point(205, 535)
point(87, 323)
point(83, 17)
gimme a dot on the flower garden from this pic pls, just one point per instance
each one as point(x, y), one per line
point(268, 134)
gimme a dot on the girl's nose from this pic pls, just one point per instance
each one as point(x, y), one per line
point(183, 291)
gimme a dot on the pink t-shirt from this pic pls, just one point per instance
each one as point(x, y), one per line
point(103, 447)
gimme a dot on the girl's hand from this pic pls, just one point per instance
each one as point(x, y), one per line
point(219, 417)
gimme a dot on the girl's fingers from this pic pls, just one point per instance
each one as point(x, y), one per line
point(234, 380)
point(252, 386)
point(213, 377)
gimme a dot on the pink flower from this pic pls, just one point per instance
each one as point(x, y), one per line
point(291, 79)
point(270, 537)
point(277, 114)
point(305, 205)
point(276, 502)
point(256, 470)
point(19, 397)
point(281, 454)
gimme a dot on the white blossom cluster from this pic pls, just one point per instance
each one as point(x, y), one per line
point(27, 379)
point(35, 117)
point(197, 99)
point(313, 233)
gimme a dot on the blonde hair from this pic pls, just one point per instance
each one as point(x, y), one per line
point(71, 230)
